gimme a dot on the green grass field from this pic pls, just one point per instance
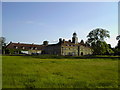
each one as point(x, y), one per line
point(30, 72)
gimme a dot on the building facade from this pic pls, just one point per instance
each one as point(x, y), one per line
point(72, 48)
point(21, 48)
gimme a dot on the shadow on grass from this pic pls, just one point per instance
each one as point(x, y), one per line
point(73, 57)
point(68, 57)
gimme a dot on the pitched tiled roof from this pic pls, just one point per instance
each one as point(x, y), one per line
point(24, 46)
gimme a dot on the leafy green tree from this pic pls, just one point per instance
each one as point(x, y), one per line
point(101, 48)
point(2, 44)
point(96, 40)
point(2, 41)
point(98, 34)
point(117, 48)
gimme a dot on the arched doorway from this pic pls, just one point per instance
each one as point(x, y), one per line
point(81, 53)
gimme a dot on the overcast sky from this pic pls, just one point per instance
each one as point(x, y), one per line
point(29, 22)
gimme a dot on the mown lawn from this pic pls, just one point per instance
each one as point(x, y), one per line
point(29, 72)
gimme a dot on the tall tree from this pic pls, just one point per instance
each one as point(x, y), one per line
point(2, 41)
point(117, 48)
point(2, 44)
point(96, 40)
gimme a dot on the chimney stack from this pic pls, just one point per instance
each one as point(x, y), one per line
point(60, 40)
point(63, 40)
point(45, 43)
point(69, 40)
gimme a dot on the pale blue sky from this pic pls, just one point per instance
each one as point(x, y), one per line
point(29, 22)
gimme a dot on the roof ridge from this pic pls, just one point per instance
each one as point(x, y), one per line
point(25, 43)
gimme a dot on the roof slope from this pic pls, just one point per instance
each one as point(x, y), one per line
point(23, 45)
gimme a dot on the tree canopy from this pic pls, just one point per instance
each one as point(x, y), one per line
point(117, 48)
point(96, 40)
point(98, 34)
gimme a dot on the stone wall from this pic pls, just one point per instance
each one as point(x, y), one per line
point(77, 50)
point(53, 50)
point(83, 50)
point(67, 50)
